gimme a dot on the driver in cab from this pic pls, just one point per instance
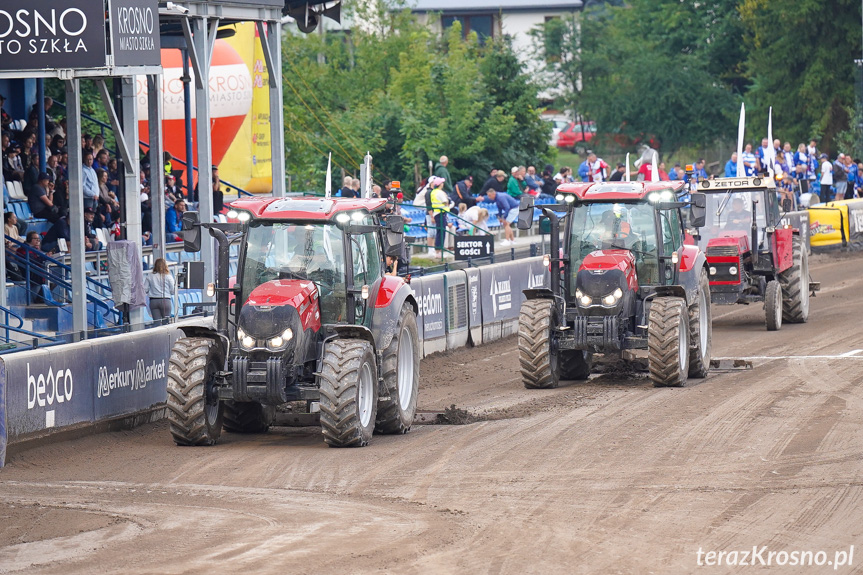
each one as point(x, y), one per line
point(615, 231)
point(312, 260)
point(738, 217)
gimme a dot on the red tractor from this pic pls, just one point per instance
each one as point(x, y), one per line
point(624, 280)
point(752, 256)
point(312, 319)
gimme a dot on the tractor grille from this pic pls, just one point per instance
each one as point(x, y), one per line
point(729, 251)
point(456, 317)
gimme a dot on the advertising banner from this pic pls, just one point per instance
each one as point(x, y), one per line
point(134, 28)
point(2, 415)
point(855, 224)
point(828, 226)
point(474, 306)
point(52, 34)
point(429, 292)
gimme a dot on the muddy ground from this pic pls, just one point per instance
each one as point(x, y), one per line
point(606, 476)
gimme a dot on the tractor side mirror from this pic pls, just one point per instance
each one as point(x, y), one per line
point(191, 232)
point(787, 205)
point(394, 234)
point(698, 210)
point(525, 212)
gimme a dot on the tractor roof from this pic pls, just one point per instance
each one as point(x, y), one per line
point(619, 191)
point(305, 208)
point(741, 184)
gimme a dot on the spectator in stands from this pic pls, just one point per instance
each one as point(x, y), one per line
point(731, 166)
point(101, 159)
point(853, 175)
point(33, 250)
point(172, 191)
point(663, 175)
point(91, 240)
point(60, 230)
point(583, 170)
point(515, 186)
point(749, 162)
point(10, 226)
point(41, 199)
point(788, 154)
point(174, 220)
point(507, 213)
point(700, 172)
point(51, 168)
point(387, 189)
point(801, 168)
point(159, 285)
point(761, 156)
point(13, 168)
point(533, 181)
point(598, 168)
point(549, 184)
point(677, 173)
point(98, 148)
point(826, 178)
point(50, 124)
point(495, 182)
point(477, 217)
point(346, 191)
point(617, 176)
point(461, 193)
point(109, 207)
point(113, 176)
point(5, 119)
point(31, 172)
point(439, 203)
point(564, 176)
point(355, 187)
point(90, 182)
point(441, 171)
point(58, 142)
point(218, 195)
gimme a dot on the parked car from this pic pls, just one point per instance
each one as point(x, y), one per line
point(558, 124)
point(576, 136)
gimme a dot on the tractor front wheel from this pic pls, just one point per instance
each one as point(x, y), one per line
point(668, 342)
point(700, 330)
point(795, 285)
point(194, 410)
point(773, 305)
point(538, 359)
point(348, 385)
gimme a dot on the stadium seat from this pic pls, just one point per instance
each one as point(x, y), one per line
point(17, 191)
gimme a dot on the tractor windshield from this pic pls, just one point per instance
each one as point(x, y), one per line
point(731, 214)
point(616, 226)
point(280, 250)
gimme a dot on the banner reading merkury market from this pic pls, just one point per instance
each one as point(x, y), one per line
point(52, 34)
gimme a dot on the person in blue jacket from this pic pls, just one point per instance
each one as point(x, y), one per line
point(731, 166)
point(174, 220)
point(507, 213)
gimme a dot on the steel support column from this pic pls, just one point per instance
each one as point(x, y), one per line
point(132, 176)
point(76, 207)
point(202, 135)
point(157, 163)
point(277, 118)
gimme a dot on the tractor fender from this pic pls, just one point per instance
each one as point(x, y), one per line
point(538, 293)
point(387, 310)
point(209, 333)
point(692, 261)
point(782, 249)
point(673, 290)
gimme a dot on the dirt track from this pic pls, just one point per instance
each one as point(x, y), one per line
point(608, 476)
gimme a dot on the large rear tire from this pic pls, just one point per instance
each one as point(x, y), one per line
point(668, 342)
point(539, 361)
point(349, 393)
point(248, 417)
point(401, 367)
point(795, 285)
point(773, 305)
point(194, 410)
point(700, 330)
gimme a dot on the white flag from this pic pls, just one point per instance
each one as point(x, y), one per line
point(329, 184)
point(626, 173)
point(741, 126)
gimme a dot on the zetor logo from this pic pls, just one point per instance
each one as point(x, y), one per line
point(134, 379)
point(44, 390)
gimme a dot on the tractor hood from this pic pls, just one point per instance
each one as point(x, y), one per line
point(279, 304)
point(604, 260)
point(730, 243)
point(605, 282)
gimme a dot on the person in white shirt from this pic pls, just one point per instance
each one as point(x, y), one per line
point(159, 285)
point(748, 161)
point(826, 178)
point(474, 215)
point(90, 182)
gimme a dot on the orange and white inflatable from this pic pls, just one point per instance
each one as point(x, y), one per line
point(230, 86)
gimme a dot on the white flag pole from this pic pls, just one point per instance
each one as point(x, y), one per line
point(328, 187)
point(654, 169)
point(741, 170)
point(771, 153)
point(626, 174)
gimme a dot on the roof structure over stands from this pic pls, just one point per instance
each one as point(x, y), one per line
point(76, 41)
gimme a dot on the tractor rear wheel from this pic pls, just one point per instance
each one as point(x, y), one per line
point(349, 393)
point(575, 364)
point(773, 305)
point(795, 285)
point(668, 342)
point(700, 330)
point(401, 367)
point(538, 359)
point(194, 410)
point(248, 417)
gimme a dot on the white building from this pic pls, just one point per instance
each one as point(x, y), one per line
point(494, 18)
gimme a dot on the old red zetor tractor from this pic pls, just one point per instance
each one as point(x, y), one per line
point(624, 280)
point(752, 256)
point(313, 321)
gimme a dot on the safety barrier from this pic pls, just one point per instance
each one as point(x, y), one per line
point(43, 391)
point(837, 225)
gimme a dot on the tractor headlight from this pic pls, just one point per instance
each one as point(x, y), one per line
point(247, 342)
point(559, 197)
point(712, 271)
point(612, 298)
point(280, 341)
point(733, 270)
